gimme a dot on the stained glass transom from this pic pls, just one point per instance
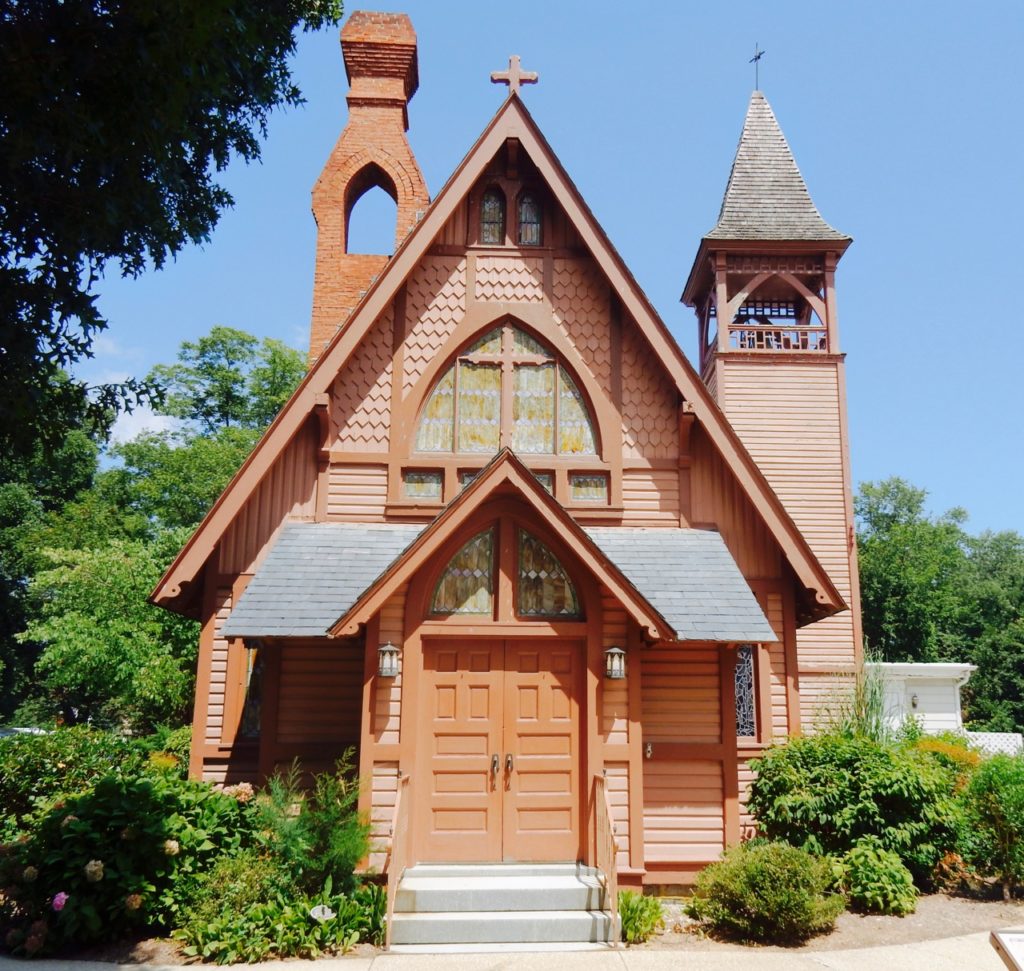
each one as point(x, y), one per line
point(467, 584)
point(746, 711)
point(492, 218)
point(545, 589)
point(422, 485)
point(506, 389)
point(529, 220)
point(588, 488)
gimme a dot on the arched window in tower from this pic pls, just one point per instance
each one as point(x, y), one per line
point(492, 218)
point(467, 584)
point(529, 220)
point(544, 588)
point(507, 389)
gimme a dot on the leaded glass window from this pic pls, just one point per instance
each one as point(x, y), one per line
point(422, 485)
point(467, 583)
point(588, 488)
point(746, 709)
point(492, 217)
point(249, 726)
point(507, 389)
point(545, 589)
point(529, 220)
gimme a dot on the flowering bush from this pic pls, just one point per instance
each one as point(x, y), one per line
point(119, 857)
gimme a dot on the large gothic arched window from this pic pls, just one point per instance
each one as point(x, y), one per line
point(506, 389)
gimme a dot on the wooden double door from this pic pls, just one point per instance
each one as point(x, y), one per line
point(498, 763)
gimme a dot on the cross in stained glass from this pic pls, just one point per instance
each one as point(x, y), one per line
point(514, 76)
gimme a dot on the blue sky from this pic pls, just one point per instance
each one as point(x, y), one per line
point(903, 117)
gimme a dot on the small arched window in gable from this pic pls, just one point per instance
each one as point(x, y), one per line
point(544, 587)
point(467, 584)
point(529, 233)
point(492, 217)
point(507, 389)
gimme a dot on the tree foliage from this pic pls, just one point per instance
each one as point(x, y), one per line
point(931, 591)
point(116, 118)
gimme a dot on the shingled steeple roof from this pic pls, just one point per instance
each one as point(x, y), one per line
point(766, 198)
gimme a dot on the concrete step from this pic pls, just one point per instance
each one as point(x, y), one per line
point(496, 927)
point(505, 948)
point(501, 892)
point(500, 869)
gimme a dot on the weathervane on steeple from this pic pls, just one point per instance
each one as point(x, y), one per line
point(514, 76)
point(756, 61)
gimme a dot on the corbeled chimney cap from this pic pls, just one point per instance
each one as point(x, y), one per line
point(380, 45)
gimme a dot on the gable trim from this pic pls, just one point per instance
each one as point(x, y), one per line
point(512, 120)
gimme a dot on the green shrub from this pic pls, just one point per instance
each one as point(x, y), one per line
point(279, 928)
point(316, 834)
point(639, 916)
point(876, 880)
point(824, 793)
point(118, 858)
point(62, 762)
point(994, 803)
point(233, 884)
point(763, 891)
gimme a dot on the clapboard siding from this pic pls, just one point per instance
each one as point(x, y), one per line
point(383, 793)
point(320, 693)
point(615, 701)
point(215, 731)
point(650, 497)
point(684, 821)
point(357, 493)
point(617, 781)
point(681, 695)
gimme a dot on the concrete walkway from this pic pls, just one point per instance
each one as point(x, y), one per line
point(972, 952)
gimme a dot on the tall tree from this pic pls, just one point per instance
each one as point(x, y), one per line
point(115, 118)
point(229, 378)
point(910, 570)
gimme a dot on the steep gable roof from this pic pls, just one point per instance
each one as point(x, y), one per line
point(766, 197)
point(512, 120)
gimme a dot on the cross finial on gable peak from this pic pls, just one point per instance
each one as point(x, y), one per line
point(514, 76)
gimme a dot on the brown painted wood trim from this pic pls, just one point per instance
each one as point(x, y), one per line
point(635, 746)
point(368, 748)
point(200, 711)
point(730, 760)
point(271, 703)
point(792, 663)
point(593, 754)
point(763, 681)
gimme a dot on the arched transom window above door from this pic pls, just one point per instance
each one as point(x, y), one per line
point(542, 588)
point(506, 390)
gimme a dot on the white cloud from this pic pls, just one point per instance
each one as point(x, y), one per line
point(128, 426)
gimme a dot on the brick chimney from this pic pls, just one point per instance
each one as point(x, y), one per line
point(380, 60)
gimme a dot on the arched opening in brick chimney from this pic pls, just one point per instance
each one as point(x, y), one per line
point(371, 212)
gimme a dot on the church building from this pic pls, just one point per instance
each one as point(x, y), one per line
point(554, 584)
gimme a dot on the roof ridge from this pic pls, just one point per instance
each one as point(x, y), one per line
point(766, 196)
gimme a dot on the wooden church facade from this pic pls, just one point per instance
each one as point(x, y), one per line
point(501, 487)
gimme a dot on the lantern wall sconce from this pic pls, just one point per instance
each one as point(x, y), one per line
point(387, 660)
point(615, 663)
point(913, 701)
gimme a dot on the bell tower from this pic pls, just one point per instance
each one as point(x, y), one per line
point(763, 288)
point(380, 60)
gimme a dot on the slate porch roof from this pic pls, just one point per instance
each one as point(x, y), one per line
point(766, 197)
point(316, 572)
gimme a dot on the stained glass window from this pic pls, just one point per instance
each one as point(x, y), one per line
point(546, 479)
point(492, 217)
point(545, 589)
point(466, 410)
point(746, 710)
point(249, 726)
point(529, 220)
point(422, 485)
point(588, 488)
point(467, 584)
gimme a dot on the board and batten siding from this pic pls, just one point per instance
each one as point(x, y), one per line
point(288, 491)
point(683, 798)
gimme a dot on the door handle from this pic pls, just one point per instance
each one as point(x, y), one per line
point(508, 762)
point(495, 763)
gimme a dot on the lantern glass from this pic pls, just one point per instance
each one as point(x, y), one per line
point(615, 663)
point(387, 660)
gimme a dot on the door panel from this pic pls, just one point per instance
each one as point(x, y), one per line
point(517, 701)
point(541, 806)
point(461, 818)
